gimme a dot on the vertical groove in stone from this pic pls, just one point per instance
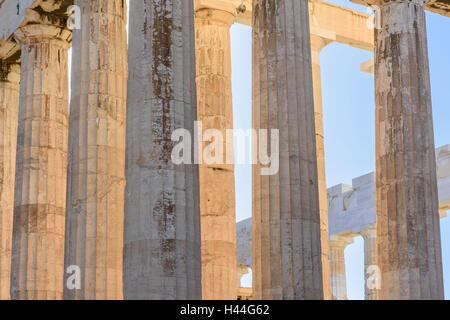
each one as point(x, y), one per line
point(9, 111)
point(286, 215)
point(217, 199)
point(317, 44)
point(408, 232)
point(162, 253)
point(41, 164)
point(337, 268)
point(96, 176)
point(370, 262)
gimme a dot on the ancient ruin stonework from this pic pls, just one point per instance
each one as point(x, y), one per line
point(215, 111)
point(286, 216)
point(408, 231)
point(96, 176)
point(9, 111)
point(37, 264)
point(136, 225)
point(162, 258)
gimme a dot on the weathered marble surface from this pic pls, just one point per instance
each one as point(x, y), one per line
point(9, 112)
point(215, 111)
point(96, 176)
point(408, 232)
point(286, 216)
point(162, 245)
point(41, 166)
point(352, 212)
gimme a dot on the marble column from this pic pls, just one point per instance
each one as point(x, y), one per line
point(286, 215)
point(9, 111)
point(162, 243)
point(215, 111)
point(337, 246)
point(317, 44)
point(96, 176)
point(371, 270)
point(408, 231)
point(41, 161)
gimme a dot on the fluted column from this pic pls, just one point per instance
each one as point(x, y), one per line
point(286, 216)
point(409, 243)
point(371, 273)
point(337, 267)
point(215, 110)
point(317, 44)
point(41, 162)
point(162, 255)
point(96, 176)
point(9, 110)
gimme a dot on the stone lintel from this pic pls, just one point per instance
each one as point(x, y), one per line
point(441, 7)
point(341, 240)
point(222, 5)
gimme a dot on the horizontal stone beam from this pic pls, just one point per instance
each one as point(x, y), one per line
point(441, 7)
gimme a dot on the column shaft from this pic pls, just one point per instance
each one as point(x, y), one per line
point(162, 248)
point(408, 231)
point(41, 164)
point(371, 274)
point(215, 111)
point(286, 216)
point(337, 268)
point(317, 44)
point(9, 111)
point(96, 178)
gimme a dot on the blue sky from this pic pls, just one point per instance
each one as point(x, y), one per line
point(348, 105)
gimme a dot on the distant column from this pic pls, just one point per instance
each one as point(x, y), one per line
point(96, 179)
point(162, 245)
point(215, 110)
point(41, 162)
point(317, 44)
point(286, 216)
point(337, 266)
point(371, 269)
point(409, 240)
point(9, 111)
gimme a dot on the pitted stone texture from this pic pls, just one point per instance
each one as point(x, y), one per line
point(215, 110)
point(286, 216)
point(408, 232)
point(41, 165)
point(162, 248)
point(9, 110)
point(96, 177)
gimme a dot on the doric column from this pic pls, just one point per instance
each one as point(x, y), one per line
point(286, 216)
point(370, 264)
point(337, 267)
point(408, 232)
point(41, 161)
point(9, 109)
point(162, 255)
point(96, 176)
point(317, 44)
point(215, 111)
